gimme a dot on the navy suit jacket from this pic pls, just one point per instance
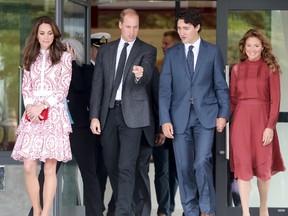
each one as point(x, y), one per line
point(136, 108)
point(208, 88)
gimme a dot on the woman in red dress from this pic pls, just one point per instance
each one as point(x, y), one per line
point(255, 102)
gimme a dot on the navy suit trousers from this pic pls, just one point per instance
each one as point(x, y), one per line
point(194, 162)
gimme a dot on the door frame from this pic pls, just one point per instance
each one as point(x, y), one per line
point(221, 172)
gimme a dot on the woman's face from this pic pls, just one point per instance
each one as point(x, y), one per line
point(253, 48)
point(45, 35)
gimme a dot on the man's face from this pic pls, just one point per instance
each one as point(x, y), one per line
point(167, 42)
point(129, 27)
point(187, 32)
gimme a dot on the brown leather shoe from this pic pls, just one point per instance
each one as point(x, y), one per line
point(161, 214)
point(205, 214)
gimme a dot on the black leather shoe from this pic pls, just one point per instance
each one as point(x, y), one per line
point(110, 213)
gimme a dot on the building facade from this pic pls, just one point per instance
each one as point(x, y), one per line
point(224, 22)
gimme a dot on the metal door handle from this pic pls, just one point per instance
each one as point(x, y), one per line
point(227, 75)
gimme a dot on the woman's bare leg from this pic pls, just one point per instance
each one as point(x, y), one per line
point(32, 184)
point(50, 185)
point(244, 191)
point(263, 187)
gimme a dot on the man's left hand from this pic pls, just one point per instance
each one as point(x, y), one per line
point(220, 124)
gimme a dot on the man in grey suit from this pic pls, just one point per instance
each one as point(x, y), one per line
point(119, 105)
point(193, 100)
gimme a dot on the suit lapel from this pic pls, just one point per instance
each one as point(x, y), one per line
point(112, 60)
point(131, 58)
point(201, 58)
point(183, 59)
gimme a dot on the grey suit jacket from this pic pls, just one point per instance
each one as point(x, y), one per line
point(135, 101)
point(153, 90)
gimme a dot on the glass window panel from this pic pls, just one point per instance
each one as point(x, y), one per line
point(15, 23)
point(16, 18)
point(74, 20)
point(72, 187)
point(12, 187)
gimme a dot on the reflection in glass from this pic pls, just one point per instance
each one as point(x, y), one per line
point(74, 21)
point(71, 194)
point(72, 187)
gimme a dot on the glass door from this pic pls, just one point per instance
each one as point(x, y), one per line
point(233, 20)
point(70, 187)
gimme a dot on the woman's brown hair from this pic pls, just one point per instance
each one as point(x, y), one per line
point(32, 46)
point(266, 53)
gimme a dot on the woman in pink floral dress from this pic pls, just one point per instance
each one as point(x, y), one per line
point(46, 80)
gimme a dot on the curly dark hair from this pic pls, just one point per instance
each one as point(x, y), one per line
point(32, 46)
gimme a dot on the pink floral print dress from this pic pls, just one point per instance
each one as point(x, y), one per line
point(50, 138)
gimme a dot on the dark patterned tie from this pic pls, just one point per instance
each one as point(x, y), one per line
point(190, 60)
point(119, 73)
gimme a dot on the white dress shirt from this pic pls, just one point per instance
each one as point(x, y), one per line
point(119, 50)
point(195, 50)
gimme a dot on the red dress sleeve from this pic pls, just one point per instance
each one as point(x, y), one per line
point(274, 86)
point(233, 89)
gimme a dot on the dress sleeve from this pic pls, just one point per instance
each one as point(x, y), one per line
point(274, 86)
point(233, 89)
point(27, 88)
point(62, 88)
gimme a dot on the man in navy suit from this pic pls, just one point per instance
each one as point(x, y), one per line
point(193, 100)
point(120, 106)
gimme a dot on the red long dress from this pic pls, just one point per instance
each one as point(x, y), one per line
point(255, 102)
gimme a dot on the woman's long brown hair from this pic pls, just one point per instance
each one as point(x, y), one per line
point(32, 46)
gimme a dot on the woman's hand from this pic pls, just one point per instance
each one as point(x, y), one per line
point(268, 135)
point(34, 112)
point(70, 50)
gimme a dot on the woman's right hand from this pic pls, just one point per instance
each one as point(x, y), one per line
point(267, 136)
point(34, 112)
